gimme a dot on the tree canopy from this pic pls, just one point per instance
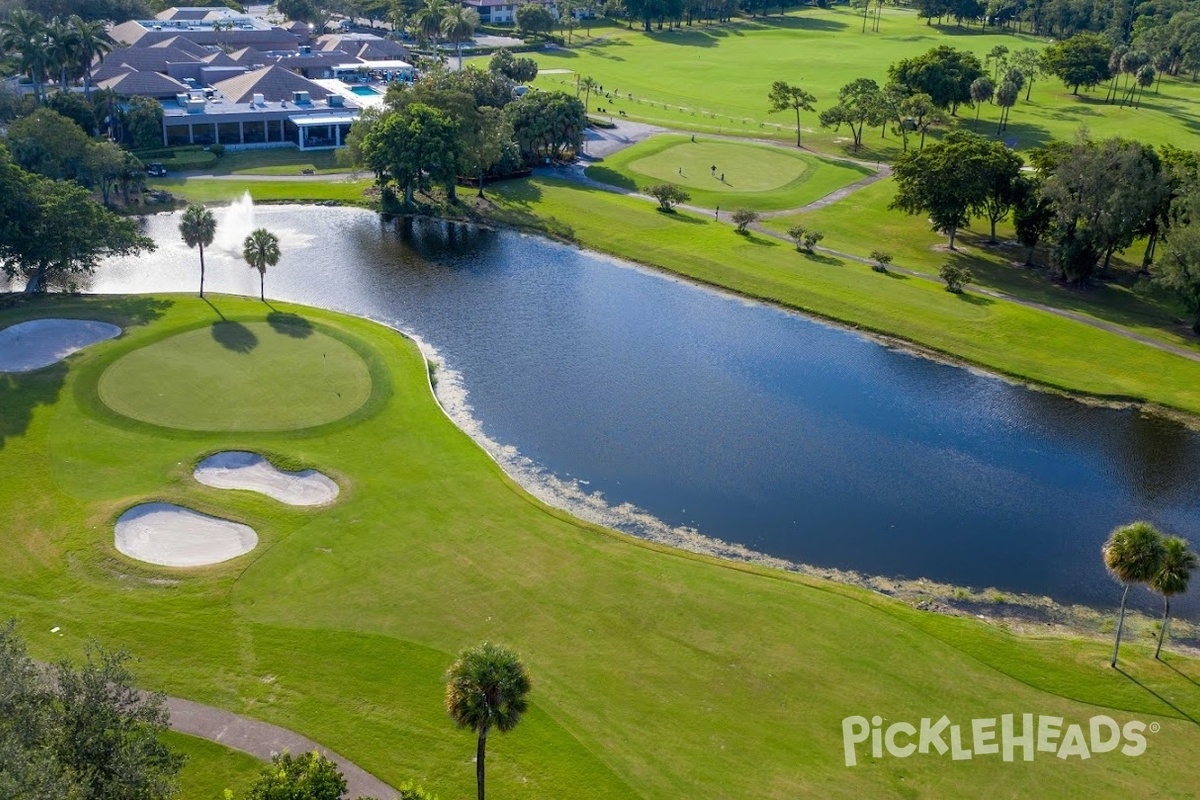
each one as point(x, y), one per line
point(1081, 60)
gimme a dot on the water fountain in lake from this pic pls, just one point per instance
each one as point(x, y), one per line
point(234, 224)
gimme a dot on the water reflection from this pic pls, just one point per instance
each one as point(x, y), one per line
point(753, 425)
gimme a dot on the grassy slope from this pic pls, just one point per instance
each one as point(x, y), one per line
point(716, 79)
point(657, 674)
point(999, 335)
point(862, 222)
point(756, 176)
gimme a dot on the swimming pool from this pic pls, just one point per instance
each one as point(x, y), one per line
point(364, 91)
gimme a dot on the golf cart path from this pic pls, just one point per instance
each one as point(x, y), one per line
point(263, 740)
point(575, 173)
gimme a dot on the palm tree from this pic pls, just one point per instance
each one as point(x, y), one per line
point(486, 688)
point(198, 228)
point(1178, 561)
point(63, 46)
point(587, 84)
point(458, 26)
point(261, 250)
point(982, 89)
point(428, 20)
point(93, 45)
point(1133, 554)
point(24, 32)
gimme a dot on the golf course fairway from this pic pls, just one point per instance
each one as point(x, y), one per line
point(656, 673)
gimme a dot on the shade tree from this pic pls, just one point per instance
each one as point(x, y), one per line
point(784, 96)
point(860, 103)
point(947, 181)
point(1081, 60)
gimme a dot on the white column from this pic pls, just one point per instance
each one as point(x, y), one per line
point(337, 134)
point(241, 132)
point(191, 134)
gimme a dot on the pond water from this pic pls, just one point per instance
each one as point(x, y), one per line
point(685, 407)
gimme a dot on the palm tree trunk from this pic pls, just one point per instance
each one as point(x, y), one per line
point(1120, 625)
point(1162, 631)
point(481, 184)
point(262, 280)
point(202, 269)
point(480, 752)
point(798, 126)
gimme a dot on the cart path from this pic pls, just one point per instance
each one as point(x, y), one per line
point(263, 740)
point(575, 173)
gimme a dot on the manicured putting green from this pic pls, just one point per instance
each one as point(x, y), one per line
point(233, 376)
point(755, 176)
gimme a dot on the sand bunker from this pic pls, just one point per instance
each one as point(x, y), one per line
point(236, 469)
point(173, 536)
point(41, 342)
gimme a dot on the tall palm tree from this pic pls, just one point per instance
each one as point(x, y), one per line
point(198, 228)
point(1133, 554)
point(458, 26)
point(63, 46)
point(25, 33)
point(1178, 561)
point(93, 45)
point(261, 250)
point(587, 83)
point(428, 20)
point(486, 688)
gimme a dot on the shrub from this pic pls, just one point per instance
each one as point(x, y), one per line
point(881, 259)
point(668, 195)
point(743, 217)
point(956, 277)
point(217, 149)
point(811, 239)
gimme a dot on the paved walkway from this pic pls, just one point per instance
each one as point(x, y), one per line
point(263, 740)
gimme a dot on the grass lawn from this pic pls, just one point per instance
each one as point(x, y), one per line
point(212, 768)
point(281, 161)
point(225, 377)
point(716, 78)
point(999, 335)
point(657, 674)
point(263, 190)
point(862, 222)
point(758, 177)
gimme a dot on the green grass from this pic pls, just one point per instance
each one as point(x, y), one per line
point(282, 161)
point(211, 768)
point(195, 190)
point(715, 79)
point(758, 177)
point(226, 377)
point(862, 222)
point(1002, 336)
point(657, 674)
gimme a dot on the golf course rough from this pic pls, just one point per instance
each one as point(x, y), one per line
point(234, 376)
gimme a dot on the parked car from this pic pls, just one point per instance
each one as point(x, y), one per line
point(156, 171)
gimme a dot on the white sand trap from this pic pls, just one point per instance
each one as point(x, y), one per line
point(41, 342)
point(173, 536)
point(236, 469)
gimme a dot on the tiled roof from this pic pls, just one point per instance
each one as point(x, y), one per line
point(274, 83)
point(143, 84)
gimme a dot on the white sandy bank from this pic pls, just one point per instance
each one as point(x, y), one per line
point(41, 342)
point(173, 536)
point(235, 469)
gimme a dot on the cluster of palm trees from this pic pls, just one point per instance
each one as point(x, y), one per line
point(441, 20)
point(61, 48)
point(198, 227)
point(1139, 553)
